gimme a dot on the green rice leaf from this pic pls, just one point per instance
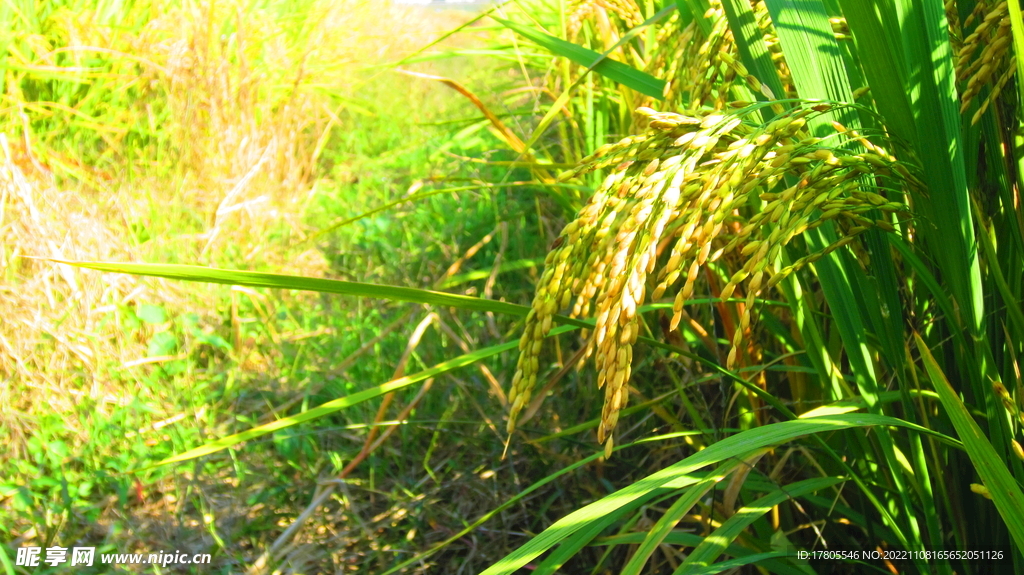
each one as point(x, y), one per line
point(1006, 494)
point(772, 561)
point(715, 544)
point(881, 56)
point(752, 559)
point(695, 10)
point(674, 514)
point(279, 281)
point(678, 484)
point(753, 51)
point(611, 69)
point(738, 445)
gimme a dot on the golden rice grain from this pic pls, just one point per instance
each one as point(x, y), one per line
point(678, 188)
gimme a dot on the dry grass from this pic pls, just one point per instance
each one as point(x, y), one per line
point(244, 122)
point(52, 339)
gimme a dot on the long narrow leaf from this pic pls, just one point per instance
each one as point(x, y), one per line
point(278, 281)
point(715, 544)
point(616, 71)
point(750, 43)
point(771, 561)
point(735, 446)
point(1006, 494)
point(674, 514)
point(516, 499)
point(819, 71)
point(347, 401)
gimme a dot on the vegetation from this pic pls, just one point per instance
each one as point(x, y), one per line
point(791, 243)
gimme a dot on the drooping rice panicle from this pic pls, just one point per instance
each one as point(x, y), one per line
point(661, 216)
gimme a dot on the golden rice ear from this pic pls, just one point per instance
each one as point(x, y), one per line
point(1017, 449)
point(679, 184)
point(985, 58)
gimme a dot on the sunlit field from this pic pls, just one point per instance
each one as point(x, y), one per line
point(615, 286)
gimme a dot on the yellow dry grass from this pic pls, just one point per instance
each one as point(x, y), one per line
point(244, 121)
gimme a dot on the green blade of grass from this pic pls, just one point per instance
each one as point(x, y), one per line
point(674, 514)
point(752, 49)
point(1013, 309)
point(595, 63)
point(806, 320)
point(6, 561)
point(743, 556)
point(347, 401)
point(340, 287)
point(715, 544)
point(839, 292)
point(695, 10)
point(616, 71)
point(910, 65)
point(881, 52)
point(752, 559)
point(258, 279)
point(580, 539)
point(414, 295)
point(857, 402)
point(941, 149)
point(814, 58)
point(278, 281)
point(679, 483)
point(819, 71)
point(735, 446)
point(1005, 492)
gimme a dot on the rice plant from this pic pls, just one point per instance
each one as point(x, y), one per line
point(680, 186)
point(857, 164)
point(775, 186)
